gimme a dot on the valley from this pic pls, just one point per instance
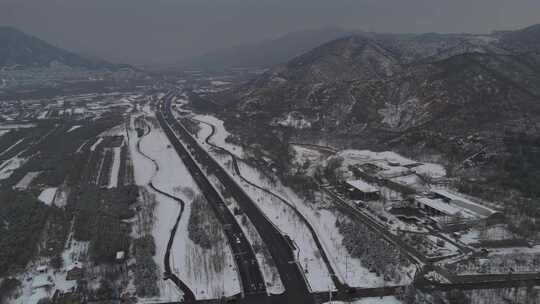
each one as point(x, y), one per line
point(374, 168)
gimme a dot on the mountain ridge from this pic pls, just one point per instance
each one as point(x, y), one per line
point(21, 50)
point(267, 52)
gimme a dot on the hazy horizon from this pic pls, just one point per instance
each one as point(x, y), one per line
point(169, 31)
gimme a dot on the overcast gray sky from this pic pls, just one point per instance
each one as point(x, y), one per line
point(165, 31)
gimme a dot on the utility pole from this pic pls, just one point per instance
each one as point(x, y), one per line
point(330, 294)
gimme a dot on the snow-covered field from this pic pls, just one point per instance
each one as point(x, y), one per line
point(26, 180)
point(47, 195)
point(221, 135)
point(191, 263)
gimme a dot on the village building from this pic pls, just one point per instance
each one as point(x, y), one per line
point(436, 207)
point(361, 190)
point(392, 172)
point(120, 255)
point(75, 272)
point(463, 202)
point(42, 268)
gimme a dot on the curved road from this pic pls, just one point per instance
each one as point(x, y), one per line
point(189, 296)
point(341, 287)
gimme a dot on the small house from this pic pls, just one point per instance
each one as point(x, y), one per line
point(464, 203)
point(436, 207)
point(42, 269)
point(120, 255)
point(74, 272)
point(361, 190)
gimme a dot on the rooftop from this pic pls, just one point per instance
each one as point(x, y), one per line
point(464, 202)
point(363, 186)
point(439, 205)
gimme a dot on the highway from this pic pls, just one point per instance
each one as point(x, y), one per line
point(250, 274)
point(247, 266)
point(280, 247)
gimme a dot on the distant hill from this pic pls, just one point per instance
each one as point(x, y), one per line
point(527, 39)
point(20, 50)
point(266, 53)
point(29, 62)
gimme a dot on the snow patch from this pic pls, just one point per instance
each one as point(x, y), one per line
point(47, 195)
point(293, 120)
point(399, 115)
point(113, 179)
point(219, 83)
point(73, 128)
point(9, 166)
point(221, 135)
point(94, 146)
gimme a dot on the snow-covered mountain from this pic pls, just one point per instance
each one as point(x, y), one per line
point(28, 61)
point(447, 95)
point(24, 51)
